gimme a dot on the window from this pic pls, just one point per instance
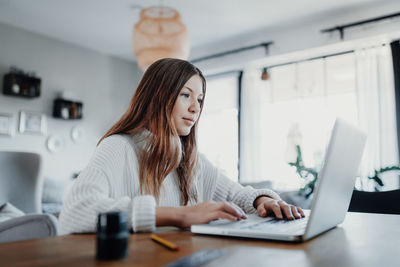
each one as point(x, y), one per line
point(301, 106)
point(218, 125)
point(298, 105)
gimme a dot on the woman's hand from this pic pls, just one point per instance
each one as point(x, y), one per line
point(267, 206)
point(201, 213)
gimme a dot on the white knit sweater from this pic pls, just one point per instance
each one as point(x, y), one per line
point(110, 182)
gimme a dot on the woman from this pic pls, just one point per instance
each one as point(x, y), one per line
point(147, 164)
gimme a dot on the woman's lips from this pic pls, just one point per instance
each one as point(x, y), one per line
point(188, 121)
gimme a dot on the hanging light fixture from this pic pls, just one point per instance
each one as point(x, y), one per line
point(265, 74)
point(158, 34)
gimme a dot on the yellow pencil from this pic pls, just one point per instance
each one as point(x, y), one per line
point(164, 242)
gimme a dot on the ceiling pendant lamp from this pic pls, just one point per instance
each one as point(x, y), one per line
point(158, 34)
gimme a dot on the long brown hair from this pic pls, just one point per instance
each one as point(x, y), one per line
point(150, 109)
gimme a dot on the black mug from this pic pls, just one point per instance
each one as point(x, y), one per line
point(112, 236)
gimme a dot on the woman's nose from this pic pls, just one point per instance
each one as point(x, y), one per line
point(194, 107)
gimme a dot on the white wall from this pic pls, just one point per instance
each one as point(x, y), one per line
point(296, 36)
point(104, 84)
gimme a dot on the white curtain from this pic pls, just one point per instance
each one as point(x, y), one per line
point(376, 111)
point(250, 149)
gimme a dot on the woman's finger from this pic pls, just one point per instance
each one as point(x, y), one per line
point(222, 215)
point(276, 209)
point(295, 213)
point(261, 210)
point(286, 210)
point(299, 210)
point(239, 209)
point(228, 208)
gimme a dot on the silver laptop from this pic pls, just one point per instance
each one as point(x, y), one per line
point(330, 202)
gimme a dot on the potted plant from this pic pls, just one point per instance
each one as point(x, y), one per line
point(311, 175)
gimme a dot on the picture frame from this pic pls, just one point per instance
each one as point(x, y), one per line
point(32, 123)
point(6, 124)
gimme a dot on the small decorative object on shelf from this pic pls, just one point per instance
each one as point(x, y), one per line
point(66, 108)
point(32, 122)
point(20, 83)
point(6, 124)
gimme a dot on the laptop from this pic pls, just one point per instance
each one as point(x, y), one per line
point(330, 202)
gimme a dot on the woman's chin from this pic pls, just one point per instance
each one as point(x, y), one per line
point(184, 132)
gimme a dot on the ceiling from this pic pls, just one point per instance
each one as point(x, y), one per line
point(106, 25)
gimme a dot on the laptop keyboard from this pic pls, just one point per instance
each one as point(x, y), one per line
point(268, 224)
point(279, 226)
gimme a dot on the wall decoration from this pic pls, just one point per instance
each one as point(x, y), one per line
point(21, 84)
point(77, 134)
point(55, 143)
point(6, 123)
point(66, 109)
point(32, 123)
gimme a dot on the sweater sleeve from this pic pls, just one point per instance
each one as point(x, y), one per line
point(224, 189)
point(92, 193)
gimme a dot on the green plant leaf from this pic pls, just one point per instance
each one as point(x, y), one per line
point(305, 173)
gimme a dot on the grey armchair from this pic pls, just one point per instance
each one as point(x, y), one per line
point(21, 185)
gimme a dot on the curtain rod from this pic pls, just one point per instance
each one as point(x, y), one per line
point(229, 72)
point(237, 71)
point(341, 28)
point(312, 58)
point(265, 45)
point(320, 57)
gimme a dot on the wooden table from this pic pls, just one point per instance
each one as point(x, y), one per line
point(362, 240)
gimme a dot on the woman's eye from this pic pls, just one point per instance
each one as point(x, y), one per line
point(200, 101)
point(185, 95)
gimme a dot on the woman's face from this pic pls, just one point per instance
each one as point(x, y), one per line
point(187, 105)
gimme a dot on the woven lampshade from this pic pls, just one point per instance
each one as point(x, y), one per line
point(159, 33)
